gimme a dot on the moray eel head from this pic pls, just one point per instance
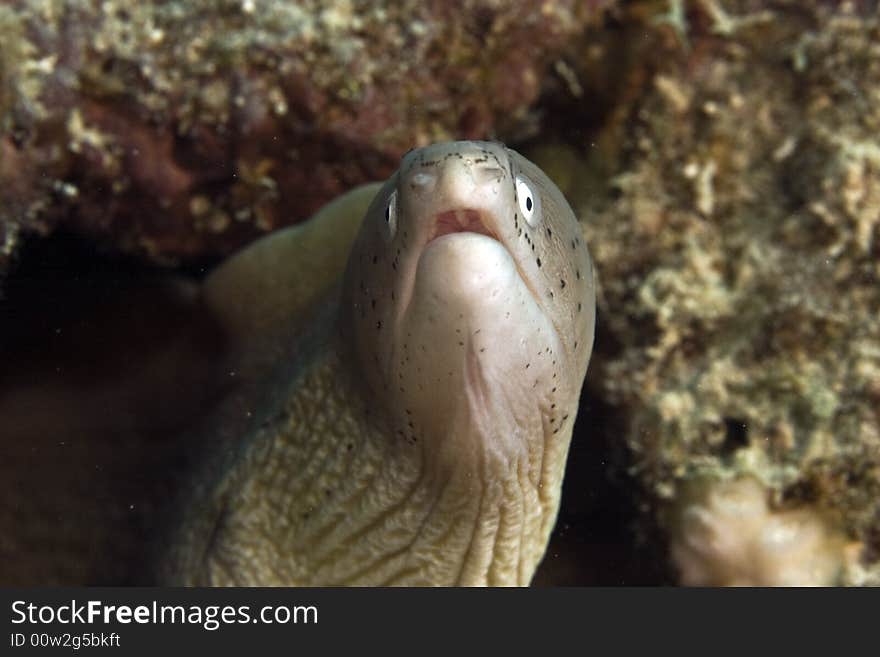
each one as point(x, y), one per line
point(428, 445)
point(469, 300)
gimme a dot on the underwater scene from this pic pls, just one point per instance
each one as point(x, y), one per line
point(478, 292)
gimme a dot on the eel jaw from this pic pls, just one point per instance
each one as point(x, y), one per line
point(465, 220)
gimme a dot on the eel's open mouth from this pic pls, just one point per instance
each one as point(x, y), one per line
point(460, 221)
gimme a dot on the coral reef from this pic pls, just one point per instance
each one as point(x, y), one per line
point(738, 253)
point(180, 131)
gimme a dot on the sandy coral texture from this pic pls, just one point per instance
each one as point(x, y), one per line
point(738, 260)
point(182, 130)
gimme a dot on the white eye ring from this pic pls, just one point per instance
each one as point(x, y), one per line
point(391, 215)
point(527, 201)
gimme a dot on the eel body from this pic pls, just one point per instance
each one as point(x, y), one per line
point(404, 376)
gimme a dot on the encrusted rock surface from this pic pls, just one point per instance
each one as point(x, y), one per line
point(738, 252)
point(180, 131)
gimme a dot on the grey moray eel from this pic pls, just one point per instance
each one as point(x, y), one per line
point(404, 378)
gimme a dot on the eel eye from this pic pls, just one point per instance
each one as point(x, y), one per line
point(527, 201)
point(391, 216)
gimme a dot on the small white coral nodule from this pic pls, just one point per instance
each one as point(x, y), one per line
point(725, 534)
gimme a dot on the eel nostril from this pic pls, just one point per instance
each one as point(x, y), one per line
point(488, 172)
point(422, 181)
